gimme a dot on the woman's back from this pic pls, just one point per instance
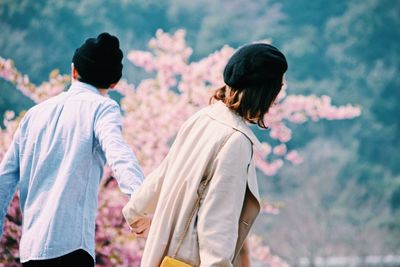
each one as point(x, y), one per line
point(215, 144)
point(192, 158)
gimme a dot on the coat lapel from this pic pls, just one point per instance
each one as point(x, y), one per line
point(220, 112)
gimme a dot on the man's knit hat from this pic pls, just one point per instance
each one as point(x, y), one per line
point(99, 61)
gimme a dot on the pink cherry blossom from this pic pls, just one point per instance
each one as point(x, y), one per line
point(280, 150)
point(262, 253)
point(294, 157)
point(154, 109)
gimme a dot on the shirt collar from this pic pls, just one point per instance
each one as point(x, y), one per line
point(81, 86)
point(220, 112)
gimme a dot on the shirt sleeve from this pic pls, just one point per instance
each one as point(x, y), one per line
point(9, 177)
point(119, 155)
point(219, 213)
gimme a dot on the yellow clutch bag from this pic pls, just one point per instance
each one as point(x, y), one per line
point(171, 262)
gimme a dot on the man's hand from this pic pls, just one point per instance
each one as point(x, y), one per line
point(142, 226)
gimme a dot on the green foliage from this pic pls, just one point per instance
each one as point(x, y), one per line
point(10, 99)
point(345, 49)
point(395, 199)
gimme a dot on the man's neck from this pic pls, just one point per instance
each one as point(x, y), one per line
point(103, 92)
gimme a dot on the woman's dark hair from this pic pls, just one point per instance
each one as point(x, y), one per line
point(250, 103)
point(253, 79)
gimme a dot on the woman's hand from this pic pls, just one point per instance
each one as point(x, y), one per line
point(141, 227)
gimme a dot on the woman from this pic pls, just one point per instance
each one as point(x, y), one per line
point(210, 161)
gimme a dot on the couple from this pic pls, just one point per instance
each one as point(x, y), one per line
point(200, 202)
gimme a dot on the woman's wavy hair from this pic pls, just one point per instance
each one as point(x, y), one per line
point(250, 103)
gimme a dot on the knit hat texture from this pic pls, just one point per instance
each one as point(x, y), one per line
point(99, 60)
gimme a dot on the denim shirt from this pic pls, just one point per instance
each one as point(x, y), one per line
point(56, 159)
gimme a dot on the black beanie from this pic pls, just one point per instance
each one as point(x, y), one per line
point(253, 65)
point(98, 61)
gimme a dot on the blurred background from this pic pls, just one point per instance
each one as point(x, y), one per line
point(344, 200)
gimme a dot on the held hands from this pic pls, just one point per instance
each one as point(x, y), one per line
point(141, 226)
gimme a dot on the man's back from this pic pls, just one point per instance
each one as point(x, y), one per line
point(62, 146)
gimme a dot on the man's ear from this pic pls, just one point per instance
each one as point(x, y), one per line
point(113, 85)
point(74, 72)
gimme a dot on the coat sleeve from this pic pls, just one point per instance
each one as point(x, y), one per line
point(9, 177)
point(144, 200)
point(119, 155)
point(218, 216)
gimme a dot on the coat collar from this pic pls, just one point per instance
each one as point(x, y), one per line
point(220, 112)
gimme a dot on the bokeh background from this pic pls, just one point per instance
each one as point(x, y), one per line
point(344, 199)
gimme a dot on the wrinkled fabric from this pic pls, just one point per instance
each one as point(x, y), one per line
point(56, 159)
point(214, 142)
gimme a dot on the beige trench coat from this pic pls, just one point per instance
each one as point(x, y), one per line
point(228, 207)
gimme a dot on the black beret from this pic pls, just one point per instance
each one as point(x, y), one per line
point(253, 65)
point(99, 60)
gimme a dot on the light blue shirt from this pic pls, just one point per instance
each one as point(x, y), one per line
point(56, 159)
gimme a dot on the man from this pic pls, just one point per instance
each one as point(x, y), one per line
point(57, 158)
